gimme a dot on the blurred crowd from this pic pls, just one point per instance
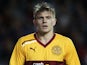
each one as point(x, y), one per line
point(16, 17)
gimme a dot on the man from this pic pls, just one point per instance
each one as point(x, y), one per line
point(44, 47)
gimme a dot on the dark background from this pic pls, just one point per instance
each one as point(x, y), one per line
point(16, 18)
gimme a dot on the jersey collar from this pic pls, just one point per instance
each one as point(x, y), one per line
point(47, 42)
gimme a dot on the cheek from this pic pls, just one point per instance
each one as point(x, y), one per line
point(36, 23)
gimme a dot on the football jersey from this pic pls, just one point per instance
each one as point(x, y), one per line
point(59, 50)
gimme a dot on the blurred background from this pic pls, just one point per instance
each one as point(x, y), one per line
point(16, 18)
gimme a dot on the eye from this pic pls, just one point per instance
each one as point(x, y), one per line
point(39, 18)
point(48, 17)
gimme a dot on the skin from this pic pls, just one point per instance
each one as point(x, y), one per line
point(44, 23)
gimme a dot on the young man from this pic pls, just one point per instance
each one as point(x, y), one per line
point(44, 47)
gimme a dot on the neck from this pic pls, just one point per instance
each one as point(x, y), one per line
point(45, 37)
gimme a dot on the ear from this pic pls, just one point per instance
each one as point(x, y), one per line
point(54, 21)
point(34, 22)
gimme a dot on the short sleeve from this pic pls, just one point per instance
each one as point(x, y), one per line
point(71, 56)
point(17, 57)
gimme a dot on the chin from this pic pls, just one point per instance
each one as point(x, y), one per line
point(45, 31)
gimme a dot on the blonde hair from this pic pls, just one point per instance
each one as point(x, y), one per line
point(44, 6)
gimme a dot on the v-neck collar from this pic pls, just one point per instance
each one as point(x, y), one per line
point(47, 42)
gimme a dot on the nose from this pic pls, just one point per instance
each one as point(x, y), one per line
point(44, 20)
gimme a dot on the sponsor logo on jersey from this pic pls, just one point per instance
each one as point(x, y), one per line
point(56, 50)
point(38, 63)
point(45, 63)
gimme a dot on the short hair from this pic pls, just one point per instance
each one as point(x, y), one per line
point(44, 6)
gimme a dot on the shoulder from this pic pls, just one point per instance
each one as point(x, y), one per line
point(66, 40)
point(63, 38)
point(60, 36)
point(29, 36)
point(26, 38)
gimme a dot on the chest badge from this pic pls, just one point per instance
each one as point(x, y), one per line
point(56, 50)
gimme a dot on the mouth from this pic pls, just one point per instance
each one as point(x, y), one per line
point(44, 26)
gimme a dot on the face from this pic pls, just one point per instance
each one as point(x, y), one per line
point(44, 22)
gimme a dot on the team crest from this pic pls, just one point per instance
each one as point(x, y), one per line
point(56, 50)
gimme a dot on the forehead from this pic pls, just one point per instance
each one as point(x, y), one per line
point(45, 13)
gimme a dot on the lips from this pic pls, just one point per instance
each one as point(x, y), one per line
point(44, 26)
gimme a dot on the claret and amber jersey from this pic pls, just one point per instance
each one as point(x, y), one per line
point(59, 50)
